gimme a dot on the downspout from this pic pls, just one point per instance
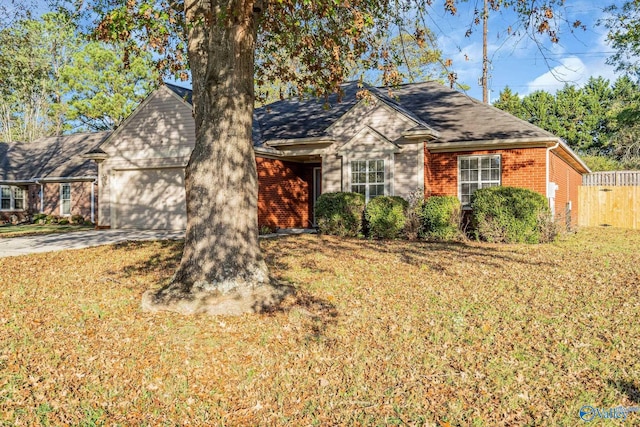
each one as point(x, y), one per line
point(551, 193)
point(37, 181)
point(93, 198)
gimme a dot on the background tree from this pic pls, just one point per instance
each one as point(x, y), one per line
point(101, 90)
point(597, 120)
point(53, 81)
point(623, 25)
point(32, 55)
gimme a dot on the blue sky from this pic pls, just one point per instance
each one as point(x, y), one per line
point(518, 62)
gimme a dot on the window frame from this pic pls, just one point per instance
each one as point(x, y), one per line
point(12, 198)
point(479, 181)
point(367, 184)
point(63, 199)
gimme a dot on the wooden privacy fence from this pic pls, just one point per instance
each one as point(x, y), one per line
point(610, 199)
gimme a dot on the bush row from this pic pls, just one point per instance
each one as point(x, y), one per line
point(498, 214)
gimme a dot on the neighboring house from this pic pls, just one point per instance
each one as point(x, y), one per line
point(50, 176)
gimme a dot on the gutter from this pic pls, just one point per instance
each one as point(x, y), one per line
point(37, 181)
point(67, 178)
point(93, 200)
point(489, 144)
point(551, 194)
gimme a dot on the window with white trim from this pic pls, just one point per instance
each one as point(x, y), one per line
point(65, 199)
point(476, 172)
point(11, 198)
point(367, 178)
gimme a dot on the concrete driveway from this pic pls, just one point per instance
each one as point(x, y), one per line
point(79, 239)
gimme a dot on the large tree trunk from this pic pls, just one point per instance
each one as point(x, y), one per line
point(222, 269)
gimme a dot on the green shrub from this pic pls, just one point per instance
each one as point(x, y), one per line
point(441, 216)
point(77, 219)
point(39, 217)
point(63, 221)
point(385, 216)
point(509, 214)
point(340, 214)
point(51, 219)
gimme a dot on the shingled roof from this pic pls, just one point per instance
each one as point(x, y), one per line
point(455, 116)
point(458, 117)
point(50, 158)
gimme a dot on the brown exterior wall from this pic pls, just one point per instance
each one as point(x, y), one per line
point(32, 204)
point(284, 193)
point(568, 181)
point(80, 199)
point(523, 168)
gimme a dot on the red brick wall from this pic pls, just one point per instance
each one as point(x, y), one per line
point(523, 168)
point(80, 199)
point(32, 204)
point(568, 180)
point(284, 193)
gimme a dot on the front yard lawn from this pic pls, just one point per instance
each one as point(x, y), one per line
point(9, 230)
point(398, 333)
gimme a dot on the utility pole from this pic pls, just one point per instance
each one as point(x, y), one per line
point(485, 56)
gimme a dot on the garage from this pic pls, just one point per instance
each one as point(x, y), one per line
point(149, 199)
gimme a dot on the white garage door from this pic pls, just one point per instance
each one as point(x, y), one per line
point(150, 199)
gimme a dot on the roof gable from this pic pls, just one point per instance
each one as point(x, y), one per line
point(368, 141)
point(162, 125)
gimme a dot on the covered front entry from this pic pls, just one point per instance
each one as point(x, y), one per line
point(285, 193)
point(149, 199)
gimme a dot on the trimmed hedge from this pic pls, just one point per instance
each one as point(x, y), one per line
point(386, 217)
point(340, 214)
point(509, 215)
point(441, 217)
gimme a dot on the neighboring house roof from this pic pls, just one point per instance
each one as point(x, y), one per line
point(50, 158)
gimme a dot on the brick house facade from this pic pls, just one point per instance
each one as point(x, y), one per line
point(51, 176)
point(425, 138)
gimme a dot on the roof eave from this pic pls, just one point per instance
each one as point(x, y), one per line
point(492, 144)
point(323, 140)
point(66, 178)
point(574, 156)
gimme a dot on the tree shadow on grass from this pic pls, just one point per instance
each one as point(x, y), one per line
point(628, 388)
point(318, 313)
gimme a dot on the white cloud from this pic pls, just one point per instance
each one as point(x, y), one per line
point(571, 71)
point(575, 71)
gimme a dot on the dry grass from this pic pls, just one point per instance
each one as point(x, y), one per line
point(379, 333)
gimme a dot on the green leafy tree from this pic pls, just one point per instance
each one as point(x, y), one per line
point(32, 55)
point(588, 117)
point(101, 90)
point(510, 102)
point(307, 44)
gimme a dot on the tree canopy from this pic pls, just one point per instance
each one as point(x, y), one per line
point(55, 81)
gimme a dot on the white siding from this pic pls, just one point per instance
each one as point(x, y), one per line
point(160, 134)
point(409, 170)
point(149, 199)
